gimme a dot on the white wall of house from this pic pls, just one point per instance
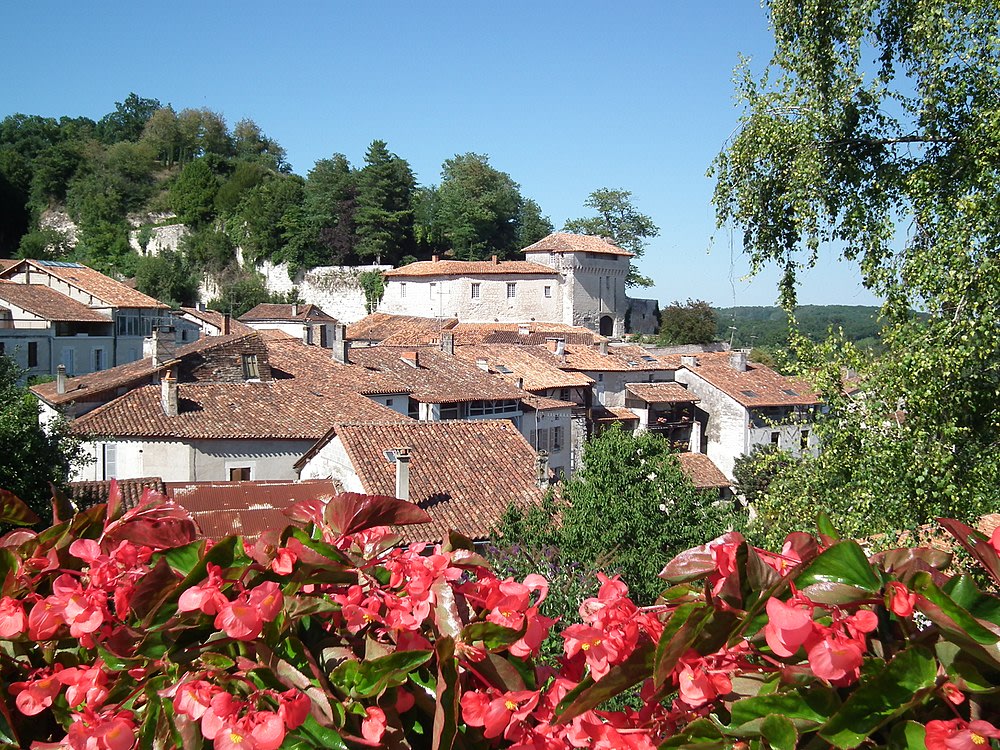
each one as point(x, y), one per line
point(609, 387)
point(194, 461)
point(594, 286)
point(398, 402)
point(727, 435)
point(534, 297)
point(551, 430)
point(332, 462)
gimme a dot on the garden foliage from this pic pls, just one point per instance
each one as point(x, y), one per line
point(121, 629)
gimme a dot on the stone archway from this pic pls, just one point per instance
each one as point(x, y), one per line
point(606, 325)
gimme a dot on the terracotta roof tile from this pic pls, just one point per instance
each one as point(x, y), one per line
point(408, 329)
point(465, 474)
point(536, 366)
point(245, 508)
point(280, 312)
point(563, 242)
point(627, 358)
point(86, 494)
point(437, 378)
point(702, 471)
point(217, 319)
point(613, 414)
point(470, 268)
point(756, 386)
point(106, 289)
point(661, 393)
point(275, 410)
point(532, 333)
point(49, 304)
point(314, 364)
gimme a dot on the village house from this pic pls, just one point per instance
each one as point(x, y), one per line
point(306, 322)
point(573, 279)
point(60, 313)
point(744, 404)
point(210, 322)
point(464, 474)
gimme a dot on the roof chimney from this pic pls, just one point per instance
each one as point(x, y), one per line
point(483, 364)
point(523, 329)
point(448, 342)
point(295, 309)
point(402, 473)
point(496, 260)
point(341, 346)
point(557, 346)
point(168, 395)
point(410, 357)
point(61, 379)
point(689, 360)
point(738, 360)
point(435, 258)
point(226, 325)
point(160, 345)
point(542, 468)
point(307, 335)
point(603, 348)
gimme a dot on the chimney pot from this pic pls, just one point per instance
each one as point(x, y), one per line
point(689, 360)
point(542, 468)
point(523, 329)
point(448, 342)
point(295, 309)
point(160, 345)
point(61, 379)
point(738, 359)
point(402, 473)
point(410, 357)
point(603, 348)
point(496, 260)
point(226, 325)
point(168, 395)
point(341, 347)
point(435, 258)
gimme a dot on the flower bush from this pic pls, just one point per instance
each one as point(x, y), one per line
point(121, 629)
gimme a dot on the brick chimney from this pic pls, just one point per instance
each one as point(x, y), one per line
point(738, 360)
point(402, 472)
point(341, 347)
point(295, 309)
point(557, 346)
point(168, 394)
point(448, 342)
point(61, 379)
point(435, 258)
point(226, 325)
point(496, 261)
point(160, 345)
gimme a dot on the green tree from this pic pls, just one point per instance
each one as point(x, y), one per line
point(242, 291)
point(192, 195)
point(209, 249)
point(251, 145)
point(330, 205)
point(43, 244)
point(267, 216)
point(619, 221)
point(168, 277)
point(384, 216)
point(693, 322)
point(474, 212)
point(875, 120)
point(31, 457)
point(531, 224)
point(126, 123)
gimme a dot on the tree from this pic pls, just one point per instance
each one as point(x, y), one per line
point(126, 123)
point(474, 212)
point(261, 223)
point(168, 277)
point(693, 322)
point(384, 216)
point(330, 204)
point(619, 221)
point(31, 457)
point(192, 195)
point(873, 121)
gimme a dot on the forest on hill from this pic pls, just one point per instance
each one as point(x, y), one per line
point(145, 164)
point(768, 326)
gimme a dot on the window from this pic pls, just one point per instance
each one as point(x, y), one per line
point(475, 290)
point(402, 290)
point(32, 354)
point(388, 402)
point(239, 474)
point(98, 360)
point(489, 408)
point(432, 289)
point(449, 411)
point(564, 394)
point(511, 290)
point(774, 437)
point(805, 440)
point(251, 371)
point(557, 438)
point(110, 460)
point(548, 292)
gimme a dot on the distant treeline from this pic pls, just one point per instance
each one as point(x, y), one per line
point(768, 326)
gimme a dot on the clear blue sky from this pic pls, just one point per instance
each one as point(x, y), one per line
point(566, 97)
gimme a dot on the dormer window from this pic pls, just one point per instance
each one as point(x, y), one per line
point(251, 371)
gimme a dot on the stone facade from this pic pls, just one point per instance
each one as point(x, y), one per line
point(335, 289)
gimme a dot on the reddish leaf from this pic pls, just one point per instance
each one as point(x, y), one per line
point(14, 510)
point(157, 522)
point(307, 511)
point(153, 588)
point(351, 512)
point(697, 562)
point(977, 544)
point(447, 694)
point(62, 508)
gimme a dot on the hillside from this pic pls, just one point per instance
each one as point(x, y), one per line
point(768, 326)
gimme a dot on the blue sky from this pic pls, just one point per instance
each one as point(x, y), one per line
point(566, 97)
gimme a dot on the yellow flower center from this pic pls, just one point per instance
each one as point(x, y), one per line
point(977, 739)
point(510, 705)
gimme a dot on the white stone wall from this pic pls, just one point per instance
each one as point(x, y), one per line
point(334, 289)
point(536, 421)
point(611, 385)
point(727, 434)
point(332, 462)
point(162, 238)
point(60, 221)
point(447, 297)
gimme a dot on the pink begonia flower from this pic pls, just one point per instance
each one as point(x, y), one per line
point(957, 734)
point(499, 714)
point(267, 599)
point(193, 699)
point(284, 561)
point(13, 620)
point(44, 619)
point(87, 685)
point(239, 620)
point(836, 659)
point(899, 599)
point(952, 694)
point(374, 724)
point(536, 632)
point(206, 596)
point(698, 687)
point(109, 730)
point(294, 708)
point(995, 539)
point(789, 626)
point(34, 696)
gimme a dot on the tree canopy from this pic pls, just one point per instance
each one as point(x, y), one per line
point(620, 221)
point(693, 322)
point(874, 133)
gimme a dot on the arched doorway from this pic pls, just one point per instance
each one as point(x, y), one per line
point(607, 325)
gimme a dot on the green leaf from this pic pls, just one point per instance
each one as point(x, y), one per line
point(946, 613)
point(321, 736)
point(619, 678)
point(697, 734)
point(491, 635)
point(826, 527)
point(183, 559)
point(805, 708)
point(907, 735)
point(779, 732)
point(373, 677)
point(845, 562)
point(903, 683)
point(14, 510)
point(447, 694)
point(679, 633)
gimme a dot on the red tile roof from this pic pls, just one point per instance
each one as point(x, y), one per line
point(470, 268)
point(702, 471)
point(246, 508)
point(626, 358)
point(408, 329)
point(216, 319)
point(613, 414)
point(275, 312)
point(536, 366)
point(465, 474)
point(104, 288)
point(275, 410)
point(86, 494)
point(661, 393)
point(314, 364)
point(563, 242)
point(437, 378)
point(757, 386)
point(49, 304)
point(513, 333)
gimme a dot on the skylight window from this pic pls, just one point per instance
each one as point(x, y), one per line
point(504, 369)
point(789, 392)
point(750, 394)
